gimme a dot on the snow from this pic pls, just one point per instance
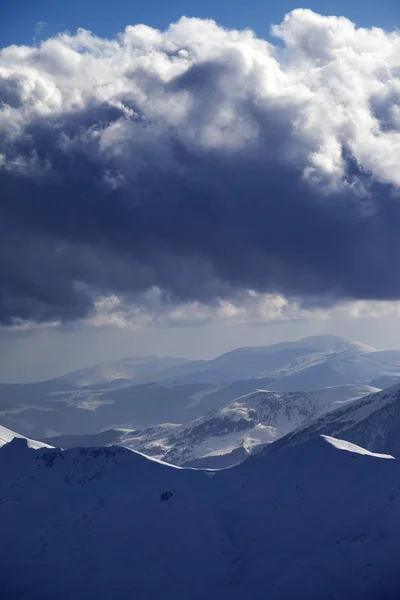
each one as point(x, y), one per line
point(349, 447)
point(98, 523)
point(247, 422)
point(6, 436)
point(155, 460)
point(374, 402)
point(372, 422)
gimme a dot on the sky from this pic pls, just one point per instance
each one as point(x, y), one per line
point(24, 20)
point(186, 178)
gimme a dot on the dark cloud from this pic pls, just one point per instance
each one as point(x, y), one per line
point(202, 183)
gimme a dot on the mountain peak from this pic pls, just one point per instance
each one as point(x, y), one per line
point(329, 341)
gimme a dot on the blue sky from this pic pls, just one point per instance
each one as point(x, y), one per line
point(19, 17)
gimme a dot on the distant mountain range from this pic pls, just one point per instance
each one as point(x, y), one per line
point(141, 393)
point(329, 357)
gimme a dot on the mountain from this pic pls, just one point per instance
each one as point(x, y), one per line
point(277, 361)
point(372, 422)
point(6, 436)
point(321, 520)
point(126, 407)
point(140, 392)
point(228, 435)
point(353, 366)
point(134, 369)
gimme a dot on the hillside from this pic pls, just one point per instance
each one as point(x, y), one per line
point(79, 523)
point(372, 422)
point(257, 418)
point(228, 435)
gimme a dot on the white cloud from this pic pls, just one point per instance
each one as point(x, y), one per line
point(251, 307)
point(338, 85)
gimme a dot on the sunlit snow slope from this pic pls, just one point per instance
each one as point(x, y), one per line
point(6, 435)
point(372, 422)
point(226, 436)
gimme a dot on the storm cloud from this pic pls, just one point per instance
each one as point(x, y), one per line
point(202, 163)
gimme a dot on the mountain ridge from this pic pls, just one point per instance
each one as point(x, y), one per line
point(80, 522)
point(372, 422)
point(227, 435)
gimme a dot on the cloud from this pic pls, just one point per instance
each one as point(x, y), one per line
point(249, 307)
point(205, 163)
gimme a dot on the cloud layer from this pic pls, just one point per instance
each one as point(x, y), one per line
point(202, 163)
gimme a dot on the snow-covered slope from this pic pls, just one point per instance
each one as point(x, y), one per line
point(277, 361)
point(6, 436)
point(352, 366)
point(318, 521)
point(226, 436)
point(372, 422)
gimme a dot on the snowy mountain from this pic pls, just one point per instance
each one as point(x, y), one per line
point(140, 392)
point(277, 361)
point(228, 435)
point(353, 366)
point(372, 422)
point(108, 522)
point(6, 436)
